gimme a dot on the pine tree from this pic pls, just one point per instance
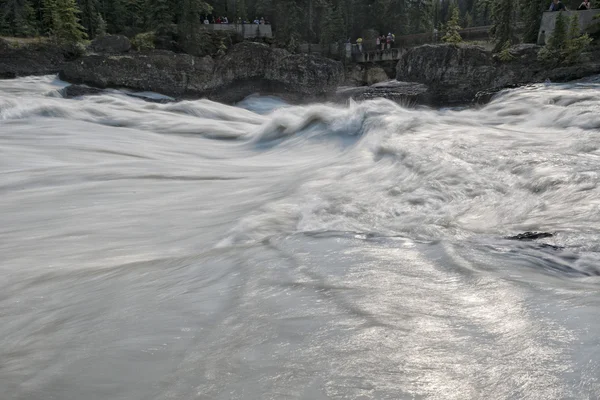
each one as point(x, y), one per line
point(64, 21)
point(101, 25)
point(50, 17)
point(241, 10)
point(576, 42)
point(288, 23)
point(17, 18)
point(452, 28)
point(89, 16)
point(161, 15)
point(190, 24)
point(531, 15)
point(467, 20)
point(420, 15)
point(504, 18)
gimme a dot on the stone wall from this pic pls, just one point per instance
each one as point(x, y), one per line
point(586, 18)
point(248, 31)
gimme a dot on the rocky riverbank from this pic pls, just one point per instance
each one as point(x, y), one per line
point(465, 73)
point(433, 75)
point(247, 68)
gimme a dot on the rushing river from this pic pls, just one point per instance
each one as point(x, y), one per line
point(195, 250)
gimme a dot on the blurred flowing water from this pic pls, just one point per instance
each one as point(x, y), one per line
point(195, 250)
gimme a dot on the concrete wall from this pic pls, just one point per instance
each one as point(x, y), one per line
point(376, 56)
point(549, 20)
point(248, 31)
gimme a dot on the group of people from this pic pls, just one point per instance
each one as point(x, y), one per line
point(558, 5)
point(385, 42)
point(382, 42)
point(224, 20)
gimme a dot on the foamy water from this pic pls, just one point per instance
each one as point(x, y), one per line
point(268, 251)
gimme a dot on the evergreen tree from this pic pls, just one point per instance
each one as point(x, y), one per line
point(161, 15)
point(467, 20)
point(241, 10)
point(63, 15)
point(504, 21)
point(576, 42)
point(89, 16)
point(566, 44)
point(452, 28)
point(101, 27)
point(17, 18)
point(50, 17)
point(483, 10)
point(190, 24)
point(288, 23)
point(420, 15)
point(531, 12)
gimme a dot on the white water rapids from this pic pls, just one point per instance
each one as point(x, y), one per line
point(195, 250)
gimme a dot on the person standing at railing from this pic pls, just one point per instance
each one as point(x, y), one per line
point(586, 5)
point(378, 42)
point(359, 42)
point(557, 5)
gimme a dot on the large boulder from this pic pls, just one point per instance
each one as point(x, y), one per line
point(247, 68)
point(17, 59)
point(159, 71)
point(461, 73)
point(111, 44)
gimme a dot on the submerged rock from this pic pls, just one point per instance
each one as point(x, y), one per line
point(402, 92)
point(247, 68)
point(72, 91)
point(531, 236)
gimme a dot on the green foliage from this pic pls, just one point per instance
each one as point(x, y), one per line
point(189, 26)
point(289, 24)
point(62, 20)
point(101, 26)
point(531, 17)
point(467, 20)
point(332, 25)
point(505, 55)
point(566, 44)
point(161, 15)
point(222, 49)
point(504, 22)
point(452, 28)
point(17, 18)
point(89, 16)
point(143, 41)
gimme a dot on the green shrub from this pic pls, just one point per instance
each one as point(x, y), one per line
point(505, 55)
point(566, 44)
point(452, 35)
point(143, 41)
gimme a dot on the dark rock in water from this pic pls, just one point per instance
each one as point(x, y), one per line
point(530, 236)
point(71, 91)
point(247, 68)
point(111, 44)
point(401, 92)
point(30, 59)
point(456, 74)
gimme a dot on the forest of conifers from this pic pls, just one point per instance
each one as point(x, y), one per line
point(293, 20)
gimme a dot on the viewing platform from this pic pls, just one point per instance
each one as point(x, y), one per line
point(247, 31)
point(586, 19)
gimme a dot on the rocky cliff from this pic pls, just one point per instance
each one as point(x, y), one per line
point(247, 68)
point(23, 59)
point(456, 74)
